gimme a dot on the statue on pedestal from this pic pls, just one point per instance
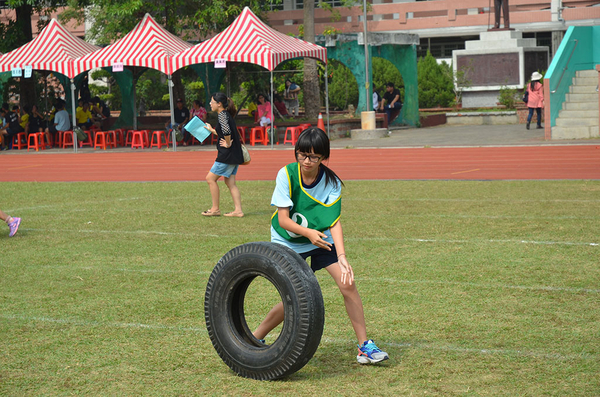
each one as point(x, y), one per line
point(501, 5)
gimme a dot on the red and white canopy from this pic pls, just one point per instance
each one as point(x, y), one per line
point(54, 49)
point(249, 40)
point(147, 45)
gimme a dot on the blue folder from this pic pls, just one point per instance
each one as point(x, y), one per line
point(197, 128)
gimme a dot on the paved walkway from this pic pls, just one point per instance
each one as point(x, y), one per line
point(462, 136)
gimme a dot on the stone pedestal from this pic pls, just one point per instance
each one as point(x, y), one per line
point(368, 134)
point(367, 120)
point(500, 58)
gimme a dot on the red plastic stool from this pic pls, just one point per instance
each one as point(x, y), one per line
point(89, 141)
point(137, 140)
point(120, 141)
point(146, 136)
point(111, 139)
point(59, 138)
point(243, 131)
point(304, 126)
point(268, 135)
point(294, 132)
point(129, 137)
point(158, 134)
point(100, 140)
point(20, 141)
point(257, 134)
point(35, 137)
point(47, 138)
point(67, 139)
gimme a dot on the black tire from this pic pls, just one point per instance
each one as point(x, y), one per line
point(226, 323)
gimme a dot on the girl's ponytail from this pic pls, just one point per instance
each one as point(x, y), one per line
point(231, 109)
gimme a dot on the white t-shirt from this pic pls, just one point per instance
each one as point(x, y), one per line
point(375, 101)
point(325, 193)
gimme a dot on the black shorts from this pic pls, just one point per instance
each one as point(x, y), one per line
point(320, 258)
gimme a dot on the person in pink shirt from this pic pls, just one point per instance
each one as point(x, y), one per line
point(535, 100)
point(264, 111)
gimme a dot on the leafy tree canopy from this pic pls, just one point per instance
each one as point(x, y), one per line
point(188, 19)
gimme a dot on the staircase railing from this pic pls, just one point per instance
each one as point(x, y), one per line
point(576, 52)
point(566, 66)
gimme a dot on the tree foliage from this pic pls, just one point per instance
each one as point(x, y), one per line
point(385, 72)
point(343, 88)
point(188, 19)
point(435, 85)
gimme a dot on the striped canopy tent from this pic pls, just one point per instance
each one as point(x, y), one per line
point(148, 45)
point(250, 40)
point(55, 49)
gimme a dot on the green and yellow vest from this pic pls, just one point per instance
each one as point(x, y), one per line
point(307, 211)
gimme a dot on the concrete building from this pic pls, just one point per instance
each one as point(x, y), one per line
point(445, 25)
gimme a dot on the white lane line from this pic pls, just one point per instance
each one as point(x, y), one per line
point(419, 240)
point(443, 241)
point(451, 348)
point(85, 323)
point(420, 346)
point(483, 285)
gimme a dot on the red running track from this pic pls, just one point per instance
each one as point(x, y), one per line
point(482, 163)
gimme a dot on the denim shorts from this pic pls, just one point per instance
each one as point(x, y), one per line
point(320, 258)
point(225, 170)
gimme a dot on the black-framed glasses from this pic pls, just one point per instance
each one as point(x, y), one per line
point(311, 157)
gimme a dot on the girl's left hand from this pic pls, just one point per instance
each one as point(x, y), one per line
point(223, 143)
point(347, 273)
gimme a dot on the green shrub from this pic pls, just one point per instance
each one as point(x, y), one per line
point(343, 88)
point(435, 83)
point(508, 97)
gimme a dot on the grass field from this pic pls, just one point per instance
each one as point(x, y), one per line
point(477, 288)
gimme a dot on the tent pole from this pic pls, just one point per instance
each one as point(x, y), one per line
point(135, 112)
point(170, 83)
point(74, 115)
point(272, 114)
point(327, 99)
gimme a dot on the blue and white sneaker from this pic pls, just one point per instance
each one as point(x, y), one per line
point(369, 353)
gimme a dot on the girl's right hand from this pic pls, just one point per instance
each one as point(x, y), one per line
point(318, 238)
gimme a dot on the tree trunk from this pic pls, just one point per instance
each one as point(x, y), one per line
point(23, 22)
point(178, 89)
point(312, 94)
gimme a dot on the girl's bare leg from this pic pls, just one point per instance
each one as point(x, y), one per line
point(352, 301)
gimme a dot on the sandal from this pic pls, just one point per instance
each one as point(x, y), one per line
point(235, 214)
point(211, 213)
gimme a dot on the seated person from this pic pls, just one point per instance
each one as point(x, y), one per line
point(84, 117)
point(181, 115)
point(25, 119)
point(280, 106)
point(36, 120)
point(391, 101)
point(61, 121)
point(264, 111)
point(252, 110)
point(14, 125)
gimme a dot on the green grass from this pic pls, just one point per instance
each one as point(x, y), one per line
point(480, 288)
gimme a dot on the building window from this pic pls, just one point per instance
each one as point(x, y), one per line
point(333, 3)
